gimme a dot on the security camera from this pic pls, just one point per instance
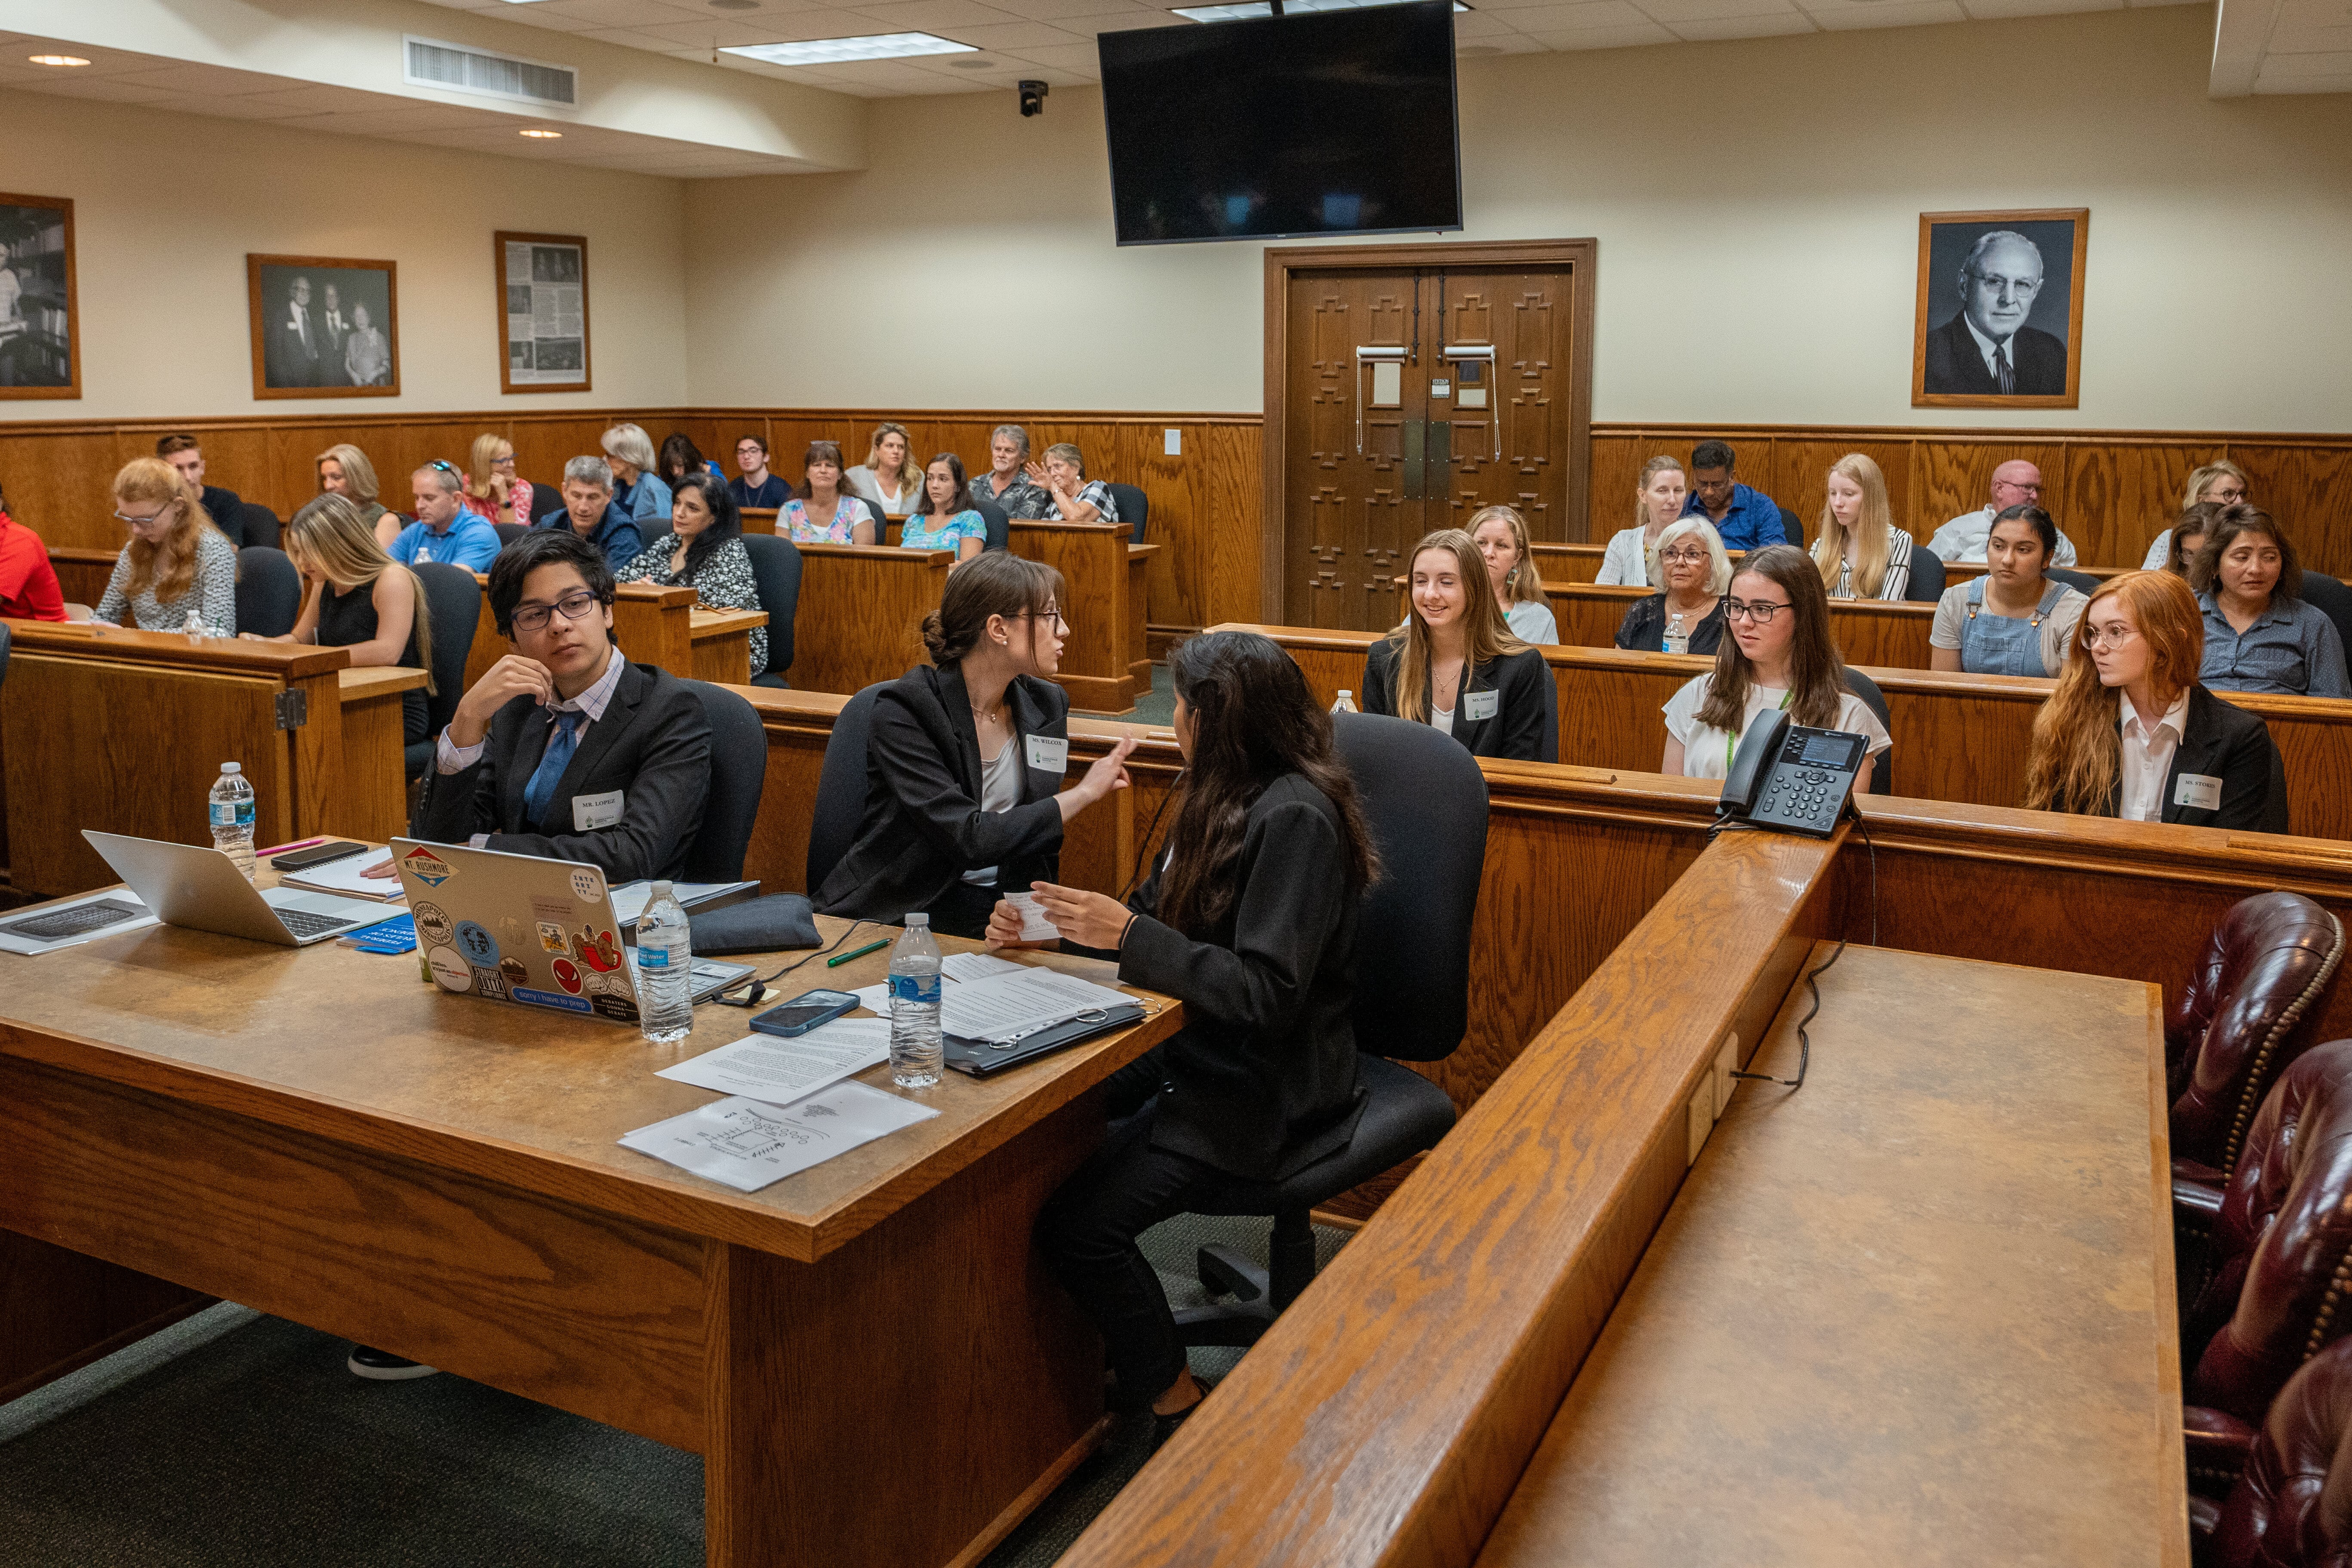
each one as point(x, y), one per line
point(1033, 98)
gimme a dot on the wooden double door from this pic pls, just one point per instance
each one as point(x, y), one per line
point(1412, 396)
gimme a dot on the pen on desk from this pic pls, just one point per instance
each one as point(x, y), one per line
point(282, 849)
point(873, 946)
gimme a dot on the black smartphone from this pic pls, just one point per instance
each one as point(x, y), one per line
point(317, 855)
point(804, 1012)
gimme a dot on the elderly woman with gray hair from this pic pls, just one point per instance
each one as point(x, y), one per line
point(1071, 497)
point(638, 489)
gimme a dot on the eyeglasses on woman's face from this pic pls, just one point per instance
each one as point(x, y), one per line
point(2115, 635)
point(1050, 617)
point(1682, 557)
point(574, 605)
point(1760, 611)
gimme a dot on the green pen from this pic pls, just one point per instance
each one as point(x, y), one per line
point(874, 946)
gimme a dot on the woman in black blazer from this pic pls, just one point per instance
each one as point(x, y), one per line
point(1250, 921)
point(965, 758)
point(2129, 732)
point(1455, 664)
point(1688, 558)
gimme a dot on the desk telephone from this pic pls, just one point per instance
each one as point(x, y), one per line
point(1791, 778)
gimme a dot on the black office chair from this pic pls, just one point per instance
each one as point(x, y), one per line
point(546, 500)
point(776, 577)
point(3, 653)
point(2081, 582)
point(1862, 686)
point(841, 787)
point(1426, 803)
point(739, 770)
point(453, 600)
point(992, 518)
point(268, 592)
point(260, 525)
point(508, 533)
point(1791, 530)
point(2331, 598)
point(1134, 508)
point(1926, 585)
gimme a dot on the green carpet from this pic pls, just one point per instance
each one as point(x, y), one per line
point(235, 1440)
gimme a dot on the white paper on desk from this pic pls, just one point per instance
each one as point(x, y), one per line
point(779, 1069)
point(343, 877)
point(748, 1144)
point(977, 966)
point(874, 998)
point(1006, 1006)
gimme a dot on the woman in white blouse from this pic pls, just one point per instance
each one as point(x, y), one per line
point(1657, 501)
point(1779, 655)
point(1861, 554)
point(887, 479)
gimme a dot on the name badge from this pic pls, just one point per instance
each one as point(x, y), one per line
point(591, 812)
point(1477, 706)
point(1048, 755)
point(2198, 792)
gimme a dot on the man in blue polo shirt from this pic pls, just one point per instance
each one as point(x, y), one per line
point(1744, 518)
point(444, 529)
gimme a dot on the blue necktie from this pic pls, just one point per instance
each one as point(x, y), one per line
point(560, 747)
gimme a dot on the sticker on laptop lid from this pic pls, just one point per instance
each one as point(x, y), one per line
point(567, 976)
point(450, 970)
point(587, 884)
point(513, 971)
point(619, 1009)
point(426, 866)
point(550, 999)
point(490, 984)
point(550, 937)
point(598, 950)
point(432, 923)
point(481, 948)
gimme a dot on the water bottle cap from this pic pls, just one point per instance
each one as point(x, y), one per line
point(661, 890)
point(232, 767)
point(918, 919)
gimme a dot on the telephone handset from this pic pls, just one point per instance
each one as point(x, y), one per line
point(1792, 778)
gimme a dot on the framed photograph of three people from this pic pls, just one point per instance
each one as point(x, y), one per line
point(324, 326)
point(2000, 319)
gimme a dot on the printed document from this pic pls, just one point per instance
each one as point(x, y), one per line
point(747, 1143)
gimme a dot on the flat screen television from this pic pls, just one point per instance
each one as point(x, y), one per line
point(1328, 122)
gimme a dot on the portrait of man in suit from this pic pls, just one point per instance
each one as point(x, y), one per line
point(334, 326)
point(2001, 309)
point(294, 340)
point(314, 318)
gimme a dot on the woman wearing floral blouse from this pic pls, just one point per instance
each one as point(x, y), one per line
point(943, 518)
point(704, 550)
point(826, 512)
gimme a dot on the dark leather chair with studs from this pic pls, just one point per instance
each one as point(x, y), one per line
point(2293, 1506)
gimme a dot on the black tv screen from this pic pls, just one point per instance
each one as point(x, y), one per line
point(1330, 122)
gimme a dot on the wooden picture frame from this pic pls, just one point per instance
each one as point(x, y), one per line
point(1951, 364)
point(554, 254)
point(304, 347)
point(40, 315)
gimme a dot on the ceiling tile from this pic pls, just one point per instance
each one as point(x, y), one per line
point(1501, 44)
point(1606, 37)
point(1850, 18)
point(100, 87)
point(1767, 26)
point(188, 77)
point(1557, 18)
point(2286, 39)
point(802, 26)
point(730, 32)
point(1674, 12)
point(1122, 21)
point(935, 15)
point(610, 12)
point(1058, 11)
point(628, 38)
point(1069, 56)
point(1016, 35)
point(2289, 67)
point(1982, 9)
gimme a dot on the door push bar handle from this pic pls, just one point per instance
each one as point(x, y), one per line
point(1494, 409)
point(1367, 352)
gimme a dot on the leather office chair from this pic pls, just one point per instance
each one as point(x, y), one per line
point(259, 524)
point(739, 770)
point(1882, 777)
point(1426, 803)
point(776, 577)
point(992, 519)
point(2081, 583)
point(1134, 509)
point(2291, 1508)
point(2333, 599)
point(454, 601)
point(841, 787)
point(508, 533)
point(268, 592)
point(2277, 1293)
point(3, 653)
point(1926, 585)
point(546, 500)
point(1791, 530)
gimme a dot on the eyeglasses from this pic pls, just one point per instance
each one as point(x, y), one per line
point(504, 462)
point(2032, 489)
point(2097, 637)
point(1684, 557)
point(157, 516)
point(574, 605)
point(1053, 616)
point(1761, 611)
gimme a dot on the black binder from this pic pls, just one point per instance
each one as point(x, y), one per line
point(981, 1059)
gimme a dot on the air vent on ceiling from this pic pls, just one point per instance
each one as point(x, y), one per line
point(432, 63)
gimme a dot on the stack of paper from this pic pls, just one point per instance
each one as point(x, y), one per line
point(748, 1144)
point(1007, 1006)
point(783, 1069)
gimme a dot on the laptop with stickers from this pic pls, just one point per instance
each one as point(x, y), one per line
point(533, 932)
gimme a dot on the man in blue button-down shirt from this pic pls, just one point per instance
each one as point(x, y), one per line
point(444, 529)
point(1744, 518)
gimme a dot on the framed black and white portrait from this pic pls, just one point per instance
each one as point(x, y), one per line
point(324, 326)
point(543, 311)
point(1999, 321)
point(40, 335)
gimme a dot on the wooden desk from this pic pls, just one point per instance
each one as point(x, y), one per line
point(374, 801)
point(1810, 1330)
point(1139, 594)
point(1880, 633)
point(82, 572)
point(722, 644)
point(1103, 603)
point(652, 626)
point(758, 518)
point(447, 1184)
point(861, 613)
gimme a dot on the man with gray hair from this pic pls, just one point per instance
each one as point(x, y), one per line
point(588, 511)
point(1988, 349)
point(1005, 485)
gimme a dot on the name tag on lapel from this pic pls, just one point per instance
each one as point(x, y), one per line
point(1047, 754)
point(2198, 792)
point(591, 812)
point(1479, 706)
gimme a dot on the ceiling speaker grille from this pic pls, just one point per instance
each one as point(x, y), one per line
point(432, 63)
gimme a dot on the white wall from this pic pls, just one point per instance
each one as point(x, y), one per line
point(1757, 203)
point(166, 207)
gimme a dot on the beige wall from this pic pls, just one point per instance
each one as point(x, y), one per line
point(1757, 203)
point(166, 207)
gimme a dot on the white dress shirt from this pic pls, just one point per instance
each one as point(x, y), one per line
point(1964, 538)
point(2148, 758)
point(1986, 348)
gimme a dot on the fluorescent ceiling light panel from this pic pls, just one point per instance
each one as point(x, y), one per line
point(1249, 10)
point(834, 51)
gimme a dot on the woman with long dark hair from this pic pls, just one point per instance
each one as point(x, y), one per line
point(704, 550)
point(1249, 920)
point(1456, 665)
point(965, 758)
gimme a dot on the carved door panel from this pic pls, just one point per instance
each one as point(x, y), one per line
point(1498, 386)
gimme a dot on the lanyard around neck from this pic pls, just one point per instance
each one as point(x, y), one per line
point(1731, 741)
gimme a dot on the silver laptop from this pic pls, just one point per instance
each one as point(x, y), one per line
point(196, 886)
point(523, 929)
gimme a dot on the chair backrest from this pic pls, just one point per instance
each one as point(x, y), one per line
point(776, 576)
point(2333, 599)
point(2081, 583)
point(546, 500)
point(2292, 1505)
point(2277, 1294)
point(841, 787)
point(1926, 585)
point(3, 653)
point(739, 770)
point(1792, 528)
point(268, 592)
point(508, 533)
point(1134, 508)
point(2240, 1018)
point(259, 524)
point(1424, 801)
point(1882, 777)
point(454, 599)
point(992, 518)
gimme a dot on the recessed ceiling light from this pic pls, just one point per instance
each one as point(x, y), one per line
point(57, 60)
point(1246, 10)
point(833, 51)
point(543, 135)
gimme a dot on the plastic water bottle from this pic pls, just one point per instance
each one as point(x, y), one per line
point(195, 627)
point(231, 810)
point(915, 1006)
point(664, 969)
point(1347, 703)
point(1677, 640)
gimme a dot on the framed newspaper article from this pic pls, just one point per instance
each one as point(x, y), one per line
point(543, 311)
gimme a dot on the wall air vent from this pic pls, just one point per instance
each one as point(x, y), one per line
point(432, 63)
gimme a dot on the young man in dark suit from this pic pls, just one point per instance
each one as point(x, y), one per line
point(1988, 349)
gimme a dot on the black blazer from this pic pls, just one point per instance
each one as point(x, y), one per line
point(223, 506)
point(653, 744)
point(1262, 1078)
point(1643, 629)
point(2225, 741)
point(922, 826)
point(1956, 367)
point(1526, 722)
